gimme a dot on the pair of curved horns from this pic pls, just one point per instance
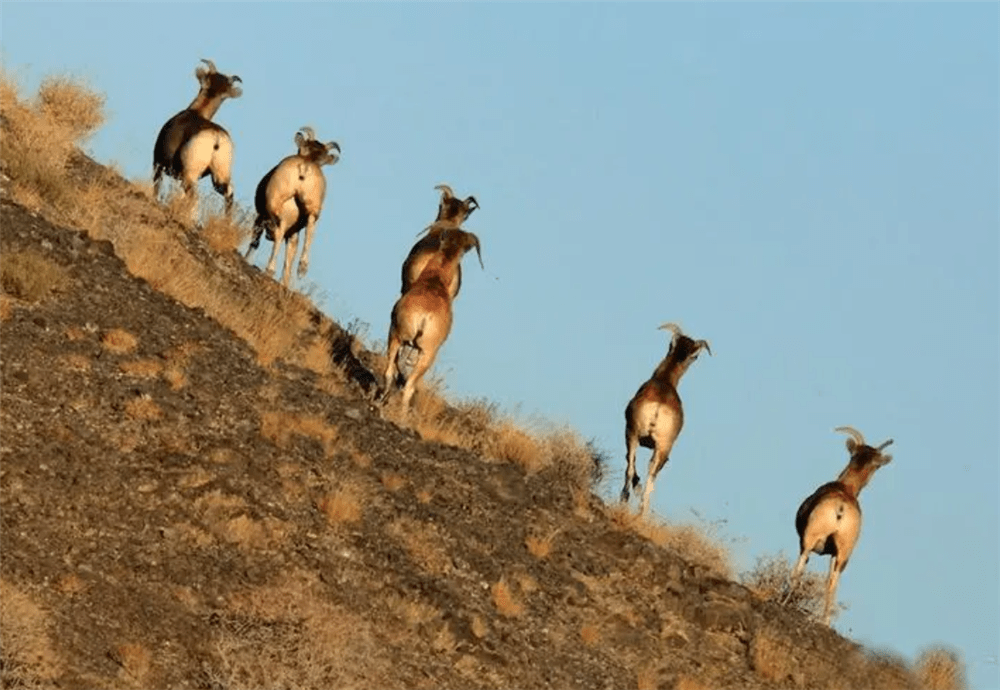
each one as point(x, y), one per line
point(859, 438)
point(676, 330)
point(308, 132)
point(213, 70)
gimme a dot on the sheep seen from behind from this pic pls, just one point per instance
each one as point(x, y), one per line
point(422, 316)
point(191, 146)
point(829, 520)
point(289, 198)
point(654, 416)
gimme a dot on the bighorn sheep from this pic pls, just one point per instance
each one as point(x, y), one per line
point(829, 521)
point(452, 212)
point(654, 416)
point(190, 146)
point(289, 198)
point(422, 316)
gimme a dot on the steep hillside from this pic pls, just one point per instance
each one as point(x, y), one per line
point(197, 493)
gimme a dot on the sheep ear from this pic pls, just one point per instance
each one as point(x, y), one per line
point(201, 73)
point(851, 445)
point(300, 139)
point(886, 459)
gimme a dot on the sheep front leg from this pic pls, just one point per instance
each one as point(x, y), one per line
point(831, 588)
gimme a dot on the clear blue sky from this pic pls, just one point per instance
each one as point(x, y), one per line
point(812, 188)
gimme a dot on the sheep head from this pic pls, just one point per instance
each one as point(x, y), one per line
point(214, 84)
point(452, 209)
point(863, 456)
point(683, 347)
point(316, 151)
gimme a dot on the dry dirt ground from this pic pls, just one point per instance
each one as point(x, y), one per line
point(176, 514)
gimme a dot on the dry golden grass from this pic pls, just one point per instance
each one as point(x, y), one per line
point(143, 408)
point(29, 660)
point(135, 662)
point(76, 362)
point(40, 135)
point(279, 427)
point(6, 307)
point(176, 378)
point(290, 635)
point(590, 634)
point(647, 678)
point(540, 546)
point(119, 341)
point(940, 669)
point(75, 334)
point(422, 543)
point(71, 584)
point(141, 368)
point(342, 505)
point(690, 542)
point(479, 627)
point(227, 234)
point(771, 657)
point(392, 482)
point(31, 276)
point(505, 600)
point(769, 580)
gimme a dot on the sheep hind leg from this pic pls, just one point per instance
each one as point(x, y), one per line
point(304, 260)
point(831, 588)
point(656, 463)
point(793, 579)
point(631, 477)
point(291, 249)
point(389, 379)
point(424, 362)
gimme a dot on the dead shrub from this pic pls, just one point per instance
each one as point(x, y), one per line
point(540, 546)
point(940, 669)
point(769, 579)
point(225, 234)
point(422, 543)
point(505, 600)
point(31, 276)
point(40, 136)
point(143, 408)
point(141, 368)
point(135, 662)
point(119, 341)
point(341, 505)
point(28, 659)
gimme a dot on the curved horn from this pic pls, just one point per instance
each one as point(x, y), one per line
point(884, 445)
point(211, 66)
point(235, 77)
point(704, 344)
point(673, 327)
point(333, 145)
point(308, 132)
point(853, 433)
point(445, 191)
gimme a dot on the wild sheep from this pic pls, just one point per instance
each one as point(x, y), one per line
point(190, 146)
point(829, 521)
point(452, 212)
point(422, 316)
point(289, 198)
point(654, 416)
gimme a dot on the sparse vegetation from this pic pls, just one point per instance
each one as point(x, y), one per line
point(307, 561)
point(769, 580)
point(30, 276)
